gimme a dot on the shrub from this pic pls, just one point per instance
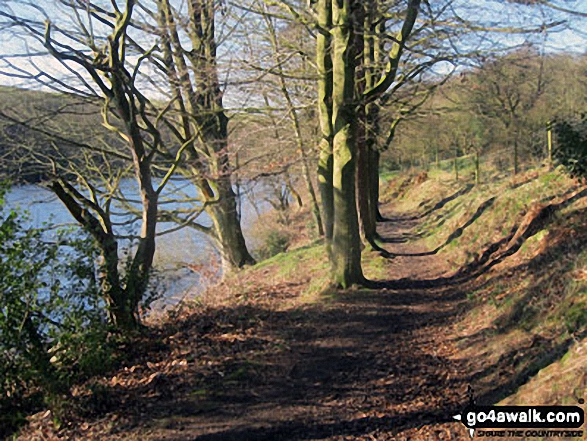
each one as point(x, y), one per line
point(275, 242)
point(571, 145)
point(53, 328)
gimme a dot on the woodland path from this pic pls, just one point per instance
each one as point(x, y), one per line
point(368, 365)
point(364, 364)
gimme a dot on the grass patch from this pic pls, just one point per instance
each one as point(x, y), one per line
point(374, 266)
point(287, 261)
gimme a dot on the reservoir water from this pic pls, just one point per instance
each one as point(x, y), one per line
point(186, 259)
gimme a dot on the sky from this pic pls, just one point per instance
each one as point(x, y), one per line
point(568, 37)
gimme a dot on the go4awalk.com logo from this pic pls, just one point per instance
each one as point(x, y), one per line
point(523, 421)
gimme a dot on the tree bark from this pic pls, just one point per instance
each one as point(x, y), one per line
point(346, 244)
point(231, 242)
point(325, 80)
point(138, 276)
point(374, 190)
point(223, 211)
point(366, 43)
point(204, 97)
point(375, 28)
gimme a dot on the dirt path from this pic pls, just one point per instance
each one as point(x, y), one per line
point(413, 260)
point(366, 365)
point(264, 363)
point(369, 365)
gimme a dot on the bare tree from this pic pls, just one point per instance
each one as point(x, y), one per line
point(193, 77)
point(340, 21)
point(107, 44)
point(295, 119)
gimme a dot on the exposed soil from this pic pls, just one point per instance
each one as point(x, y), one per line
point(373, 364)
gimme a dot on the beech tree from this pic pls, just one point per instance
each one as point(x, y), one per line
point(121, 97)
point(113, 55)
point(375, 63)
point(201, 121)
point(339, 22)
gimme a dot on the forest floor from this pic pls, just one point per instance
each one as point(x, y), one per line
point(272, 364)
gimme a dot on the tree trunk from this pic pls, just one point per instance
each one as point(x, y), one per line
point(374, 186)
point(325, 79)
point(368, 117)
point(138, 277)
point(375, 27)
point(373, 53)
point(346, 244)
point(374, 157)
point(367, 176)
point(363, 76)
point(231, 242)
point(208, 112)
point(120, 310)
point(223, 211)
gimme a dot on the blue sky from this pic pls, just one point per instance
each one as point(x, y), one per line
point(567, 37)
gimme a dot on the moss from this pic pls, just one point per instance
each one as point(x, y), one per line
point(575, 317)
point(199, 393)
point(566, 358)
point(374, 266)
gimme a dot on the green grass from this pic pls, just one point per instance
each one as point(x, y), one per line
point(374, 266)
point(316, 290)
point(288, 260)
point(388, 175)
point(513, 198)
point(310, 259)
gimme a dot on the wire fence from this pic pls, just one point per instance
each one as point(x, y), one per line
point(502, 161)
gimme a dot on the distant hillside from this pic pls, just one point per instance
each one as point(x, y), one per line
point(41, 130)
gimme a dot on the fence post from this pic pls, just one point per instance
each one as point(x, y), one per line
point(456, 162)
point(477, 178)
point(549, 141)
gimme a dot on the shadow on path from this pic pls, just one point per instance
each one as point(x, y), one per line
point(363, 364)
